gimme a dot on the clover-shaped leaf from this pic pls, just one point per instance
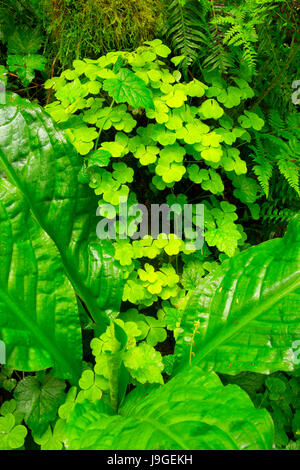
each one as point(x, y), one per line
point(246, 90)
point(212, 182)
point(157, 332)
point(52, 439)
point(196, 175)
point(176, 98)
point(159, 48)
point(248, 120)
point(147, 155)
point(124, 252)
point(116, 149)
point(7, 382)
point(171, 244)
point(170, 278)
point(172, 153)
point(11, 436)
point(122, 173)
point(170, 172)
point(162, 135)
point(148, 273)
point(192, 132)
point(92, 386)
point(210, 109)
point(65, 409)
point(212, 154)
point(231, 161)
point(230, 97)
point(195, 88)
point(211, 140)
point(160, 184)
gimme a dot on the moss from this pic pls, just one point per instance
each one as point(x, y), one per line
point(81, 28)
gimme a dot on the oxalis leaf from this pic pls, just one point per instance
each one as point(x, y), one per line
point(245, 315)
point(129, 88)
point(43, 167)
point(192, 411)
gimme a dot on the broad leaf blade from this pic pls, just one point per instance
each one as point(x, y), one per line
point(39, 320)
point(39, 161)
point(39, 401)
point(192, 411)
point(247, 311)
point(129, 88)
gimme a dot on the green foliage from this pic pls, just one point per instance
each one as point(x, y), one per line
point(190, 412)
point(281, 399)
point(21, 41)
point(81, 28)
point(37, 300)
point(38, 401)
point(280, 148)
point(279, 394)
point(12, 435)
point(184, 139)
point(214, 125)
point(257, 36)
point(186, 28)
point(235, 308)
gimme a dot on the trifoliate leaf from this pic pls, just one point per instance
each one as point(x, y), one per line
point(248, 120)
point(176, 99)
point(124, 252)
point(210, 109)
point(11, 436)
point(246, 189)
point(122, 173)
point(231, 161)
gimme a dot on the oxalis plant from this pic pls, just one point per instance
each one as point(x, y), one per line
point(228, 307)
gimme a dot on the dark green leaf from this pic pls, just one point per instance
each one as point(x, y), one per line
point(39, 401)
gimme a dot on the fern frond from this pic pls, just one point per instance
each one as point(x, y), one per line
point(269, 213)
point(263, 168)
point(187, 29)
point(290, 170)
point(275, 121)
point(219, 58)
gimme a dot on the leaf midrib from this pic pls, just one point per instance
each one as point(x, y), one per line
point(253, 309)
point(69, 270)
point(38, 333)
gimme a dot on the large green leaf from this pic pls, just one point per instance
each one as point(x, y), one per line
point(245, 316)
point(127, 87)
point(39, 400)
point(39, 320)
point(192, 411)
point(40, 162)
